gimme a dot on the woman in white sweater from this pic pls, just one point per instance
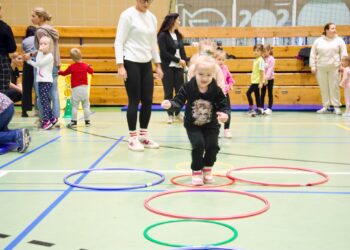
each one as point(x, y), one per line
point(136, 47)
point(325, 59)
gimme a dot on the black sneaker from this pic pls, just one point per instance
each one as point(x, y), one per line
point(72, 124)
point(23, 140)
point(24, 114)
point(87, 123)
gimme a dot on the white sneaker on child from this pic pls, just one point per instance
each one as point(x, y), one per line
point(337, 111)
point(227, 133)
point(170, 119)
point(208, 175)
point(268, 111)
point(346, 114)
point(134, 144)
point(323, 110)
point(197, 178)
point(147, 142)
point(180, 117)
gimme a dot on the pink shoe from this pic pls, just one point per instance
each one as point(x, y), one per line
point(46, 125)
point(197, 178)
point(208, 175)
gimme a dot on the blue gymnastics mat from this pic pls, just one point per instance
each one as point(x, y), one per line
point(157, 107)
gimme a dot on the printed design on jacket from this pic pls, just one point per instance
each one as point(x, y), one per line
point(201, 112)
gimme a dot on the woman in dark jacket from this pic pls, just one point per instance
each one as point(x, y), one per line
point(173, 56)
point(7, 45)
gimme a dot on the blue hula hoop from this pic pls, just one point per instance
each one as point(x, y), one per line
point(162, 178)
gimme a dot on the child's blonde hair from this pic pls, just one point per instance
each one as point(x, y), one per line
point(207, 47)
point(206, 61)
point(259, 47)
point(75, 54)
point(42, 13)
point(346, 59)
point(220, 52)
point(269, 48)
point(50, 40)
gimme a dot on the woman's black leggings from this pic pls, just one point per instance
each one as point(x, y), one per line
point(173, 79)
point(227, 123)
point(139, 87)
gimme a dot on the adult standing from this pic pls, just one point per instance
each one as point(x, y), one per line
point(7, 45)
point(173, 56)
point(40, 17)
point(135, 48)
point(325, 60)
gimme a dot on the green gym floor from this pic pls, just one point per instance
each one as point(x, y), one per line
point(39, 211)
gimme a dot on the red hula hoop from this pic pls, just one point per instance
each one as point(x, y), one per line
point(173, 181)
point(326, 178)
point(179, 216)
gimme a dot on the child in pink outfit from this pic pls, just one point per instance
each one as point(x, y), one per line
point(220, 57)
point(345, 83)
point(269, 78)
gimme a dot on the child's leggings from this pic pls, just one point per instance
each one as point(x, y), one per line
point(254, 87)
point(44, 90)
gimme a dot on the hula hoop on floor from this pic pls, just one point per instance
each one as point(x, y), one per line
point(325, 177)
point(173, 181)
point(162, 178)
point(205, 248)
point(232, 229)
point(179, 216)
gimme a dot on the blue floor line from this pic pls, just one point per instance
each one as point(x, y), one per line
point(29, 152)
point(32, 225)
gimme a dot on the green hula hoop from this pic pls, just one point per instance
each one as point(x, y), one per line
point(232, 229)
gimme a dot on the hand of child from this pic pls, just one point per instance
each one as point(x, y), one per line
point(260, 85)
point(166, 104)
point(222, 117)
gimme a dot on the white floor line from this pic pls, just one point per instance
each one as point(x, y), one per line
point(173, 171)
point(3, 173)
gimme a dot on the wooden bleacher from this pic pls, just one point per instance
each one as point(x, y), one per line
point(294, 83)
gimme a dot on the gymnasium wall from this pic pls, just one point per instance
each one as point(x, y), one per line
point(75, 12)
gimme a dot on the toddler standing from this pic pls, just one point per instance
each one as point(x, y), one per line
point(269, 78)
point(220, 56)
point(345, 83)
point(257, 81)
point(206, 106)
point(44, 65)
point(80, 89)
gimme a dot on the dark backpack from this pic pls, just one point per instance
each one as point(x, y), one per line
point(304, 54)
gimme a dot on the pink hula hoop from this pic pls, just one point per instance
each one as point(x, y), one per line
point(179, 216)
point(173, 181)
point(325, 177)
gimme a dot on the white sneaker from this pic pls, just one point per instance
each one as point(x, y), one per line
point(148, 143)
point(323, 110)
point(346, 114)
point(134, 144)
point(268, 111)
point(227, 133)
point(337, 111)
point(208, 175)
point(170, 119)
point(197, 178)
point(180, 117)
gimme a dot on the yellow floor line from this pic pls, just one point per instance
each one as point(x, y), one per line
point(343, 126)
